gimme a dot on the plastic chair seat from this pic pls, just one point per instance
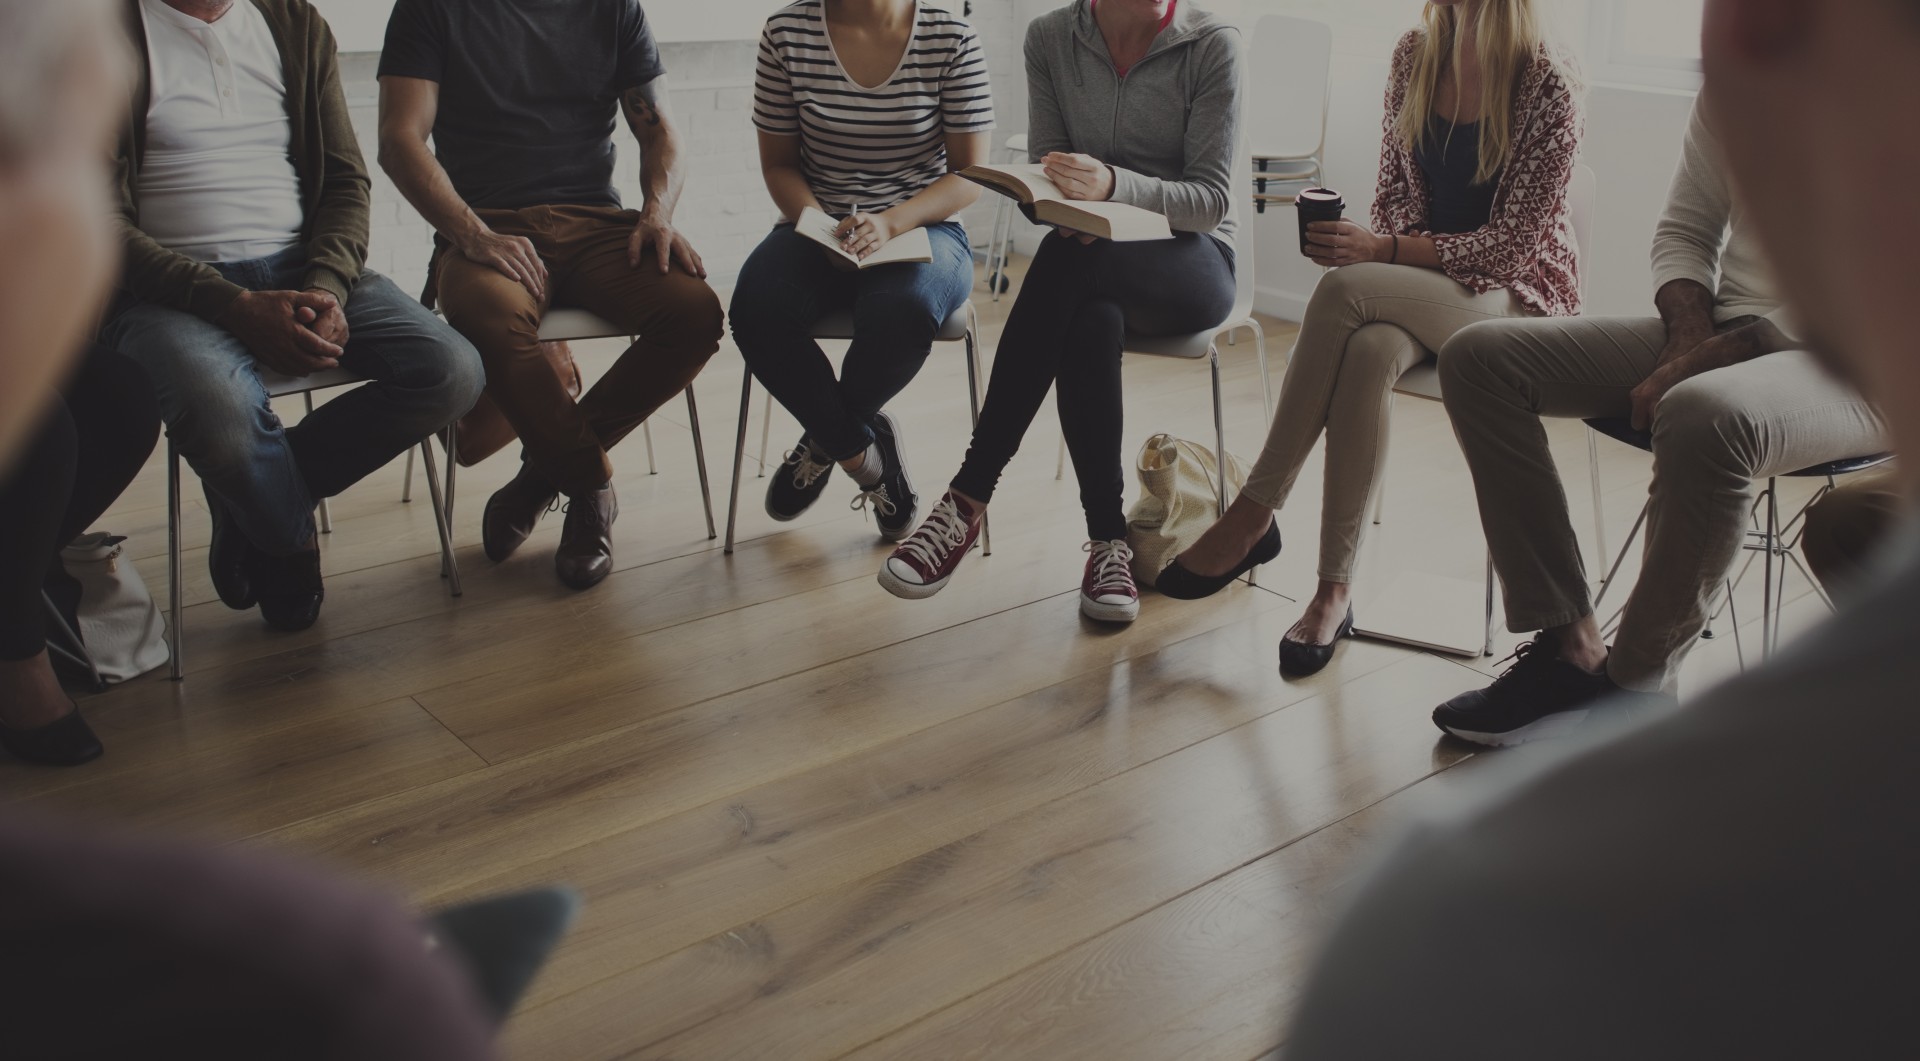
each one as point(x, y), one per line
point(839, 325)
point(1622, 430)
point(566, 322)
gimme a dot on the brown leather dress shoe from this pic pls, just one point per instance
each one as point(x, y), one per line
point(513, 510)
point(585, 556)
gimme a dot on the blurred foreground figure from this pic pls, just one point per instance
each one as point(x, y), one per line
point(1736, 880)
point(111, 948)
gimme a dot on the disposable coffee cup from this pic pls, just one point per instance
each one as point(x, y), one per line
point(1317, 204)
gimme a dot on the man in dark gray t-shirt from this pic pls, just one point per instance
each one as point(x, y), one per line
point(520, 98)
point(1740, 879)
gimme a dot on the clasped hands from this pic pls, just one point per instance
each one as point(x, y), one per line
point(295, 333)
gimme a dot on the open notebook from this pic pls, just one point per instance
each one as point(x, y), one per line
point(911, 246)
point(1027, 183)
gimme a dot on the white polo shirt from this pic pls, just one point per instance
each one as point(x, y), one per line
point(217, 182)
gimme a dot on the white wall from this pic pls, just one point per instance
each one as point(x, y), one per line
point(1633, 141)
point(725, 209)
point(361, 25)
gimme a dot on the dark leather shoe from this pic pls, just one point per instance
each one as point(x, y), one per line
point(513, 510)
point(227, 559)
point(1301, 660)
point(1181, 584)
point(66, 741)
point(585, 556)
point(289, 587)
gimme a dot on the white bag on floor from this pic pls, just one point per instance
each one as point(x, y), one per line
point(1178, 501)
point(119, 623)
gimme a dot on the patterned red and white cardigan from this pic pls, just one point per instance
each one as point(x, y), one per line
point(1528, 246)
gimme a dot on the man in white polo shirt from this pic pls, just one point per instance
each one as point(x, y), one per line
point(244, 202)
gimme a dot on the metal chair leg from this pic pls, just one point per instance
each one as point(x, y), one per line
point(1380, 502)
point(406, 483)
point(739, 455)
point(646, 434)
point(453, 465)
point(176, 616)
point(1260, 354)
point(1607, 583)
point(449, 566)
point(1593, 477)
point(766, 428)
point(1769, 610)
point(75, 649)
point(1219, 428)
point(973, 407)
point(700, 462)
point(326, 510)
point(1487, 648)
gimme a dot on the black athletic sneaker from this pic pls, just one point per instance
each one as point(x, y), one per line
point(1540, 696)
point(798, 482)
point(891, 500)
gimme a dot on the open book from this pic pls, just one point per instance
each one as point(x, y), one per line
point(1027, 183)
point(909, 246)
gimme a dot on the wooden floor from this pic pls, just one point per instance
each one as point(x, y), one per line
point(811, 820)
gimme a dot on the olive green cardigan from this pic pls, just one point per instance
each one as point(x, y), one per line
point(326, 156)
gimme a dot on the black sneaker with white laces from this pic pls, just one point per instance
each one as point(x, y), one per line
point(891, 500)
point(798, 482)
point(1540, 696)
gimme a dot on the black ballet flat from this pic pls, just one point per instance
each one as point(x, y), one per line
point(1301, 660)
point(1181, 584)
point(66, 741)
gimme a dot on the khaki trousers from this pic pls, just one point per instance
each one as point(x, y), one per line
point(1713, 435)
point(675, 314)
point(1365, 327)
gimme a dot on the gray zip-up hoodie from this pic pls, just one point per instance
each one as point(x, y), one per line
point(1168, 129)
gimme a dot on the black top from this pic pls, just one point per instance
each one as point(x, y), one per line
point(529, 91)
point(1449, 155)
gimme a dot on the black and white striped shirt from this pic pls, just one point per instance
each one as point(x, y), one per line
point(870, 147)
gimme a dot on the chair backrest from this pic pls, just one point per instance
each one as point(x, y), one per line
point(1286, 110)
point(1242, 193)
point(1581, 194)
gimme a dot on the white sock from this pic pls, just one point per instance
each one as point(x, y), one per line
point(872, 467)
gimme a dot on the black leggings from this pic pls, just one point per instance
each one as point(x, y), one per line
point(90, 445)
point(1076, 305)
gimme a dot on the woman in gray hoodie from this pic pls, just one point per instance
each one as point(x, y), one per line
point(1133, 101)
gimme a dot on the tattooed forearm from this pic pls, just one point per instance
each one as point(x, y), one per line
point(645, 106)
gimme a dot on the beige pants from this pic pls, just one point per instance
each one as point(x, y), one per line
point(1365, 327)
point(1713, 435)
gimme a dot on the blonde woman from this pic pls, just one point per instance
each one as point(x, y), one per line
point(1470, 223)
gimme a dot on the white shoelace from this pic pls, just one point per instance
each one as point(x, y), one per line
point(877, 497)
point(944, 531)
point(1110, 566)
point(806, 470)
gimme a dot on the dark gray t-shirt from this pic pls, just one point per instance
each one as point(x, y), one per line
point(529, 92)
point(1740, 879)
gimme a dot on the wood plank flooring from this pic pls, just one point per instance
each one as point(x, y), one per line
point(811, 820)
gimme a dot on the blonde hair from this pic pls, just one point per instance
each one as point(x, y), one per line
point(1507, 38)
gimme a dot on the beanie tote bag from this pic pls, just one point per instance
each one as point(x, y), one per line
point(1178, 501)
point(119, 623)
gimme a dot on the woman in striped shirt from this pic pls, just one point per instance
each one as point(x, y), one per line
point(866, 110)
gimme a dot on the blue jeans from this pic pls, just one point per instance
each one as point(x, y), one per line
point(788, 283)
point(424, 376)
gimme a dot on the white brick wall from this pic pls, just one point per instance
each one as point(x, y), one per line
point(724, 209)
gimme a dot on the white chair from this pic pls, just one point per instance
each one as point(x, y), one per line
point(279, 386)
point(1423, 381)
point(1206, 345)
point(960, 326)
point(1286, 112)
point(567, 323)
point(1000, 236)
